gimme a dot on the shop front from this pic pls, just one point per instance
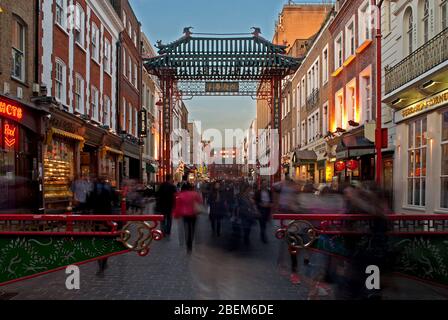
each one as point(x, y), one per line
point(305, 165)
point(421, 156)
point(20, 156)
point(355, 159)
point(111, 157)
point(131, 167)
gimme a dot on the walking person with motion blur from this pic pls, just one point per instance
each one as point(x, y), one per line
point(263, 199)
point(246, 211)
point(187, 206)
point(165, 203)
point(217, 208)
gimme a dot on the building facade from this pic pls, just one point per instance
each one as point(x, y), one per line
point(22, 122)
point(78, 71)
point(415, 57)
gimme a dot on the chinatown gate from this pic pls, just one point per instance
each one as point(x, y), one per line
point(235, 65)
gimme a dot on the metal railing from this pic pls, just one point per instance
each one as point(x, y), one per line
point(428, 56)
point(312, 100)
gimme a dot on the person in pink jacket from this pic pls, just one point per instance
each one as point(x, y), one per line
point(187, 207)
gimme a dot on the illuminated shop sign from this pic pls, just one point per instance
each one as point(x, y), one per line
point(428, 104)
point(11, 110)
point(10, 135)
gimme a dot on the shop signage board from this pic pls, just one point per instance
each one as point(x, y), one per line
point(11, 110)
point(423, 106)
point(143, 128)
point(222, 87)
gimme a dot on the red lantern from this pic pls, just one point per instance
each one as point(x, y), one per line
point(339, 166)
point(352, 164)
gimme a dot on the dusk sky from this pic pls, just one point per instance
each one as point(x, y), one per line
point(165, 19)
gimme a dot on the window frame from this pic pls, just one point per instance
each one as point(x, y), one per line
point(94, 103)
point(61, 83)
point(414, 148)
point(350, 39)
point(95, 42)
point(339, 51)
point(19, 52)
point(80, 29)
point(78, 96)
point(61, 13)
point(325, 65)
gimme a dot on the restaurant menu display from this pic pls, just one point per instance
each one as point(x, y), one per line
point(59, 170)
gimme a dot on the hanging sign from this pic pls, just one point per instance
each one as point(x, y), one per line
point(143, 120)
point(11, 110)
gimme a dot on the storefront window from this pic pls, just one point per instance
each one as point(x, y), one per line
point(444, 159)
point(417, 163)
point(109, 168)
point(59, 170)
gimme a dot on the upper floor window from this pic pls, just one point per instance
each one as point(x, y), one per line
point(79, 93)
point(425, 20)
point(409, 29)
point(106, 112)
point(325, 65)
point(129, 68)
point(350, 39)
point(107, 56)
point(18, 50)
point(338, 52)
point(94, 103)
point(364, 22)
point(60, 13)
point(135, 75)
point(79, 25)
point(124, 18)
point(95, 43)
point(124, 62)
point(60, 81)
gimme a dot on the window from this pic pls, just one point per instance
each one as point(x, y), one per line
point(106, 112)
point(95, 43)
point(60, 81)
point(107, 55)
point(351, 101)
point(425, 21)
point(365, 91)
point(387, 17)
point(60, 13)
point(129, 68)
point(444, 159)
point(325, 65)
point(123, 115)
point(409, 29)
point(94, 104)
point(303, 133)
point(130, 29)
point(124, 18)
point(129, 118)
point(364, 22)
point(124, 62)
point(135, 39)
point(350, 39)
point(135, 75)
point(417, 163)
point(79, 93)
point(338, 52)
point(444, 10)
point(302, 95)
point(339, 112)
point(79, 25)
point(325, 118)
point(18, 50)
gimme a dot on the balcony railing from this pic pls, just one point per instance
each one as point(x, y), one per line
point(312, 100)
point(428, 56)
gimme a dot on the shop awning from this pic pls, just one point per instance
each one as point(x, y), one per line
point(304, 157)
point(66, 134)
point(112, 150)
point(354, 146)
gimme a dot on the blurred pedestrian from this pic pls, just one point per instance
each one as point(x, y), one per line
point(165, 203)
point(187, 206)
point(217, 208)
point(246, 211)
point(264, 201)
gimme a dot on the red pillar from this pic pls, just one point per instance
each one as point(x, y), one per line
point(378, 134)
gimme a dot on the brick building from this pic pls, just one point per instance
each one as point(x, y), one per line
point(129, 88)
point(22, 122)
point(78, 71)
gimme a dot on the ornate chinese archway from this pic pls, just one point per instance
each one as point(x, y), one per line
point(235, 65)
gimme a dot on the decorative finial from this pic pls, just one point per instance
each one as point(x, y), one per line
point(257, 31)
point(187, 31)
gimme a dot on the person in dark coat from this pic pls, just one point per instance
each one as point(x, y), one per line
point(217, 208)
point(165, 203)
point(264, 201)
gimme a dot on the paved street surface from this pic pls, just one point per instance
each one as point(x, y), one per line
point(217, 269)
